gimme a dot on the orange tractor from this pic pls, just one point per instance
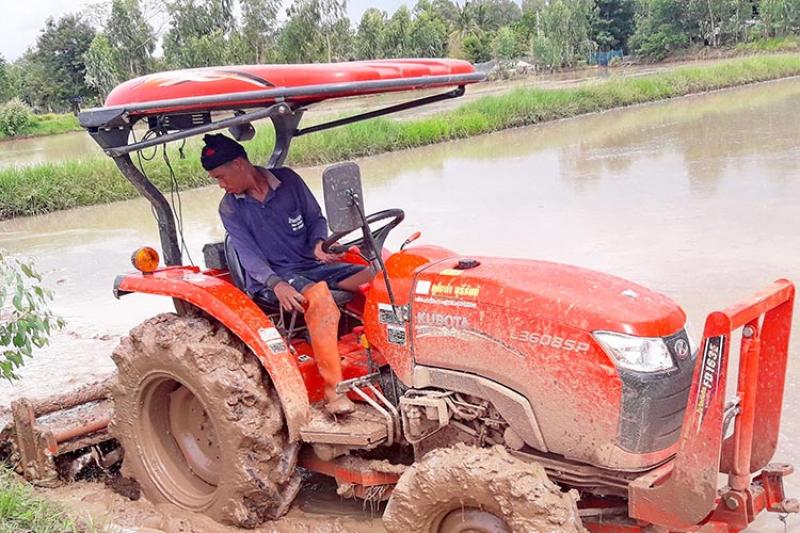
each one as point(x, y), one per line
point(492, 395)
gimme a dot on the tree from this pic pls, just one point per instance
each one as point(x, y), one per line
point(299, 38)
point(5, 80)
point(31, 81)
point(334, 25)
point(198, 32)
point(342, 41)
point(309, 33)
point(445, 10)
point(564, 32)
point(739, 25)
point(398, 32)
point(706, 20)
point(428, 36)
point(612, 23)
point(369, 37)
point(101, 68)
point(462, 27)
point(504, 45)
point(478, 48)
point(259, 27)
point(491, 15)
point(209, 50)
point(661, 28)
point(131, 38)
point(60, 50)
point(781, 17)
point(25, 318)
point(533, 6)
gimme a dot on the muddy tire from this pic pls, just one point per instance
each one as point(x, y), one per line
point(478, 490)
point(200, 424)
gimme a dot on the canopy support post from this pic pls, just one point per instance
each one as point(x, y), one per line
point(163, 211)
point(285, 130)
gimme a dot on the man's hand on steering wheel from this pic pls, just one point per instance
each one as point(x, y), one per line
point(326, 257)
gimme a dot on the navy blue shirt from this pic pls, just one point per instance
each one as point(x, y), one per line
point(277, 237)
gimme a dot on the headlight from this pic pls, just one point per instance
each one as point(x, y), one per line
point(642, 354)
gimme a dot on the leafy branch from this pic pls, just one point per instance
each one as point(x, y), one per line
point(25, 317)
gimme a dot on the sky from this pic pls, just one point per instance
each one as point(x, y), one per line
point(23, 19)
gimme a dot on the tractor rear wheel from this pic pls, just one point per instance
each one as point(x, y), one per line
point(478, 490)
point(200, 423)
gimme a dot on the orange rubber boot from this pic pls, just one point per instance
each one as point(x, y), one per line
point(322, 319)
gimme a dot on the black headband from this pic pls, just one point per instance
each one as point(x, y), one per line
point(219, 150)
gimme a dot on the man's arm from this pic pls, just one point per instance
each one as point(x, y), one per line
point(253, 261)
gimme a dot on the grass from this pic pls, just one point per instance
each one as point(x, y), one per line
point(51, 187)
point(47, 124)
point(771, 45)
point(21, 509)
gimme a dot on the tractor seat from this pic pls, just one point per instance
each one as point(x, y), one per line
point(238, 277)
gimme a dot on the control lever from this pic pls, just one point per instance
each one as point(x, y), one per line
point(411, 238)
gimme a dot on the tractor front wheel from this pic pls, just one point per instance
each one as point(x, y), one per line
point(200, 423)
point(479, 490)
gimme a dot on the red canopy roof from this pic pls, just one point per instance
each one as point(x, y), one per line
point(256, 85)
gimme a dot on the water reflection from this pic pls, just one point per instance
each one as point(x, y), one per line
point(41, 150)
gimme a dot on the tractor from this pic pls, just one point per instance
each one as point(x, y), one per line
point(492, 395)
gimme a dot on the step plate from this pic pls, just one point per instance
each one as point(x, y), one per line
point(363, 428)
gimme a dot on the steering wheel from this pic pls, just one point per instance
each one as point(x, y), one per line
point(394, 217)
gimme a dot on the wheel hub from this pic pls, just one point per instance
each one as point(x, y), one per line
point(194, 434)
point(471, 520)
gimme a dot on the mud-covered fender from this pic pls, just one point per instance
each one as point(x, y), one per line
point(237, 312)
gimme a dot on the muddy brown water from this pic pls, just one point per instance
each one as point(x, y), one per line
point(696, 197)
point(49, 149)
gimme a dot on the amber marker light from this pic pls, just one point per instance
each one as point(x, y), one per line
point(145, 260)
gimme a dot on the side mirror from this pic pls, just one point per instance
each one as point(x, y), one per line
point(343, 197)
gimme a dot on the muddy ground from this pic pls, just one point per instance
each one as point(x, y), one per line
point(317, 510)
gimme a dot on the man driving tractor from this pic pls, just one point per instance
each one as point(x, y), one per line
point(277, 229)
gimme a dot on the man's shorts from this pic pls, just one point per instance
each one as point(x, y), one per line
point(332, 273)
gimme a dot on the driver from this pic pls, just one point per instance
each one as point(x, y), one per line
point(277, 229)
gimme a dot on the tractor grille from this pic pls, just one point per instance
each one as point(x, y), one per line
point(653, 404)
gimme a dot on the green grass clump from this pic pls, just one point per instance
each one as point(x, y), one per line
point(52, 123)
point(50, 187)
point(790, 43)
point(22, 510)
point(47, 124)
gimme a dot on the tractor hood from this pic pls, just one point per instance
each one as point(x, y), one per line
point(573, 296)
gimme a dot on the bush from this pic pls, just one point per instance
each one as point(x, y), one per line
point(25, 319)
point(478, 48)
point(15, 117)
point(505, 46)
